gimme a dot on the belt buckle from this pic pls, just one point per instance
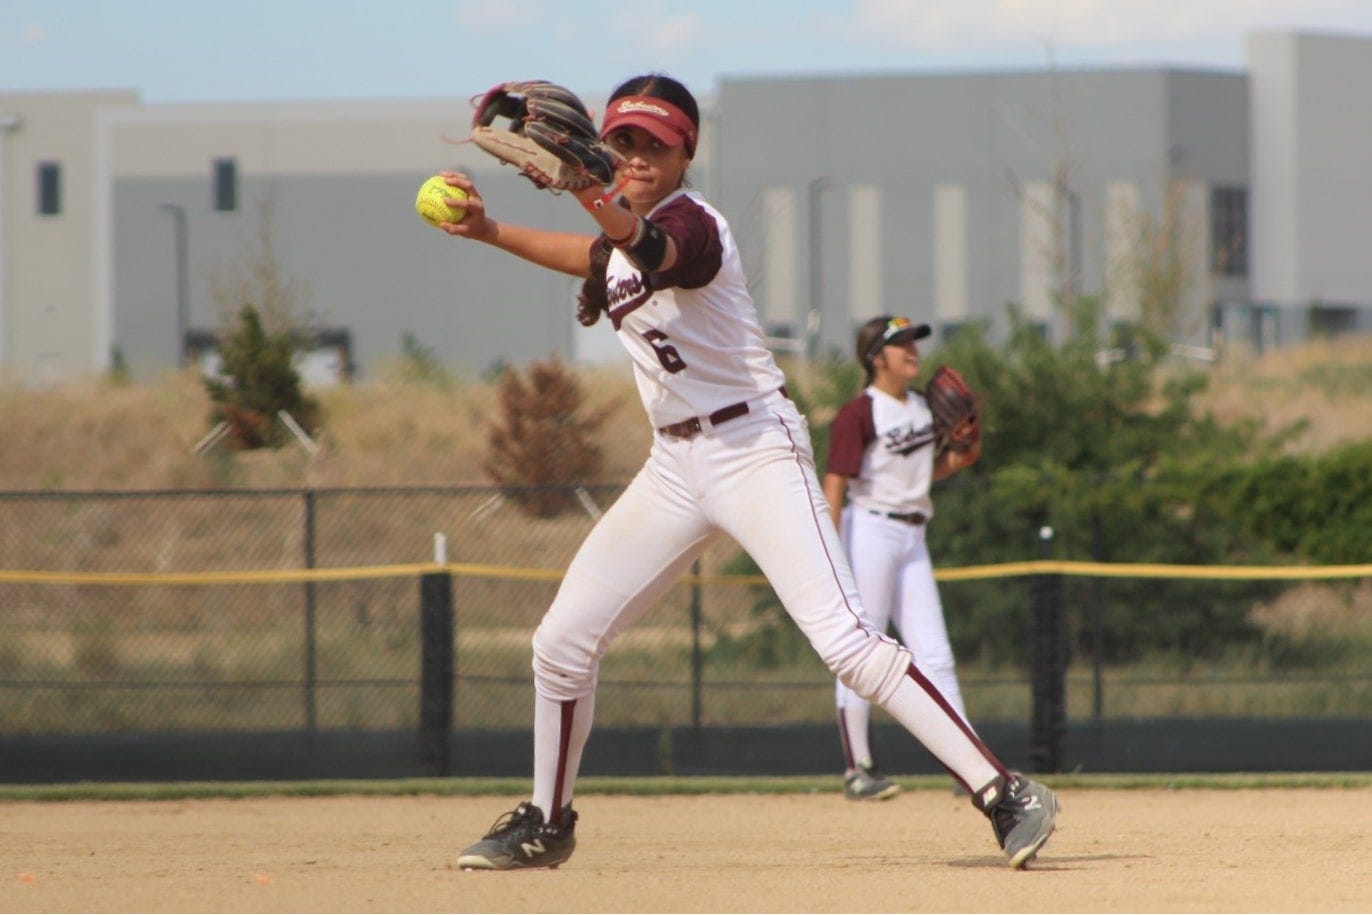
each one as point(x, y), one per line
point(685, 430)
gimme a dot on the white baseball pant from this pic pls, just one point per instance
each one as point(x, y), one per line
point(754, 479)
point(895, 578)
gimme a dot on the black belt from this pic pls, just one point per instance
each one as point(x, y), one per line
point(690, 428)
point(912, 518)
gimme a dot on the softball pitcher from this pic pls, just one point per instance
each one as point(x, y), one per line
point(731, 454)
point(882, 457)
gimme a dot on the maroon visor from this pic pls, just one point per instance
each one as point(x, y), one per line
point(666, 122)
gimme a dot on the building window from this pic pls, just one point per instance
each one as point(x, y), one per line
point(1229, 230)
point(49, 188)
point(225, 185)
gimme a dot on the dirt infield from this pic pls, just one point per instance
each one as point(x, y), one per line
point(1287, 850)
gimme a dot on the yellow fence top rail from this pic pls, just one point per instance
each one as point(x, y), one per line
point(473, 570)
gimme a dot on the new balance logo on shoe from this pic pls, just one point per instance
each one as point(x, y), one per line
point(523, 838)
point(1023, 814)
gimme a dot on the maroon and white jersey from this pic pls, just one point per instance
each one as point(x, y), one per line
point(886, 447)
point(691, 331)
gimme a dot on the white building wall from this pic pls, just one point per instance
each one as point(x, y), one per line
point(1038, 249)
point(951, 279)
point(1311, 142)
point(48, 321)
point(1274, 249)
point(1197, 292)
point(865, 293)
point(1121, 259)
point(780, 260)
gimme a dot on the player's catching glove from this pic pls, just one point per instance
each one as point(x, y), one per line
point(550, 137)
point(957, 424)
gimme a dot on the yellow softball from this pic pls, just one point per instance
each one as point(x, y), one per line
point(429, 204)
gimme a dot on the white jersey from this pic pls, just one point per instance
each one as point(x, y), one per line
point(691, 331)
point(886, 447)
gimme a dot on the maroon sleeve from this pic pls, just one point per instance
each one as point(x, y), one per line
point(699, 251)
point(852, 430)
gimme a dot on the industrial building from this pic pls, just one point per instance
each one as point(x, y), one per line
point(130, 233)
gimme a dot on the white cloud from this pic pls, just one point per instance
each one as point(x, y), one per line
point(33, 35)
point(675, 35)
point(951, 26)
point(487, 16)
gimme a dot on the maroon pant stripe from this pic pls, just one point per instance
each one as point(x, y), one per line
point(564, 740)
point(932, 691)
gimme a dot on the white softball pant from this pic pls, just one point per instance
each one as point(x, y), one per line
point(754, 479)
point(895, 578)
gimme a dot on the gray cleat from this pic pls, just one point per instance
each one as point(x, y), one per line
point(867, 784)
point(521, 839)
point(1023, 814)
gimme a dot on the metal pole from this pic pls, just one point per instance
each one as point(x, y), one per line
point(697, 660)
point(182, 281)
point(311, 702)
point(1046, 666)
point(1097, 620)
point(436, 662)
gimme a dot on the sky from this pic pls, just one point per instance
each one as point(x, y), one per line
point(260, 50)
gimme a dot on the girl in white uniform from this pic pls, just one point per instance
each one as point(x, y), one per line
point(731, 453)
point(881, 456)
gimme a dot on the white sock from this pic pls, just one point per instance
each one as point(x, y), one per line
point(855, 719)
point(560, 732)
point(922, 709)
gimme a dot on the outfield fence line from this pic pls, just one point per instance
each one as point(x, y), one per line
point(438, 672)
point(1074, 568)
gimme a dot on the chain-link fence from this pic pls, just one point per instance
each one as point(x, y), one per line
point(111, 642)
point(131, 651)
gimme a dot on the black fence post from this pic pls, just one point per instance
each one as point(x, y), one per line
point(1048, 669)
point(311, 659)
point(697, 660)
point(1097, 621)
point(436, 670)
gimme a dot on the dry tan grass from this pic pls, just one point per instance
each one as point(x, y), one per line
point(1327, 383)
point(92, 434)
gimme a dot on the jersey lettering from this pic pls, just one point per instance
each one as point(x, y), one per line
point(626, 296)
point(666, 353)
point(906, 440)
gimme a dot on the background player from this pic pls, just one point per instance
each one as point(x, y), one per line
point(731, 453)
point(882, 456)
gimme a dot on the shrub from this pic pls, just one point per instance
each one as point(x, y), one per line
point(258, 381)
point(542, 442)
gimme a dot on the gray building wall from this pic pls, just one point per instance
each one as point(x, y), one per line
point(49, 329)
point(942, 196)
point(334, 188)
point(1003, 140)
point(1311, 141)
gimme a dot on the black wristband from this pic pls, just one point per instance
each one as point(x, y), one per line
point(647, 247)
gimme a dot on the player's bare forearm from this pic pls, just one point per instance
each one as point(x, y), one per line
point(619, 223)
point(951, 461)
point(835, 486)
point(565, 252)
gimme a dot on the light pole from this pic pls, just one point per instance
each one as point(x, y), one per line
point(183, 305)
